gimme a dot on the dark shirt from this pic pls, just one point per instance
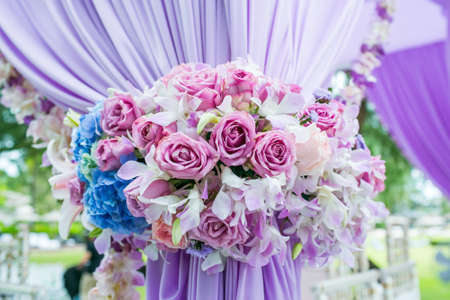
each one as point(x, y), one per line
point(95, 259)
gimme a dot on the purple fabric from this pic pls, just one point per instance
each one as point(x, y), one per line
point(180, 277)
point(412, 99)
point(72, 51)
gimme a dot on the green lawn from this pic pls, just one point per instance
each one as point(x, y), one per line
point(431, 287)
point(66, 256)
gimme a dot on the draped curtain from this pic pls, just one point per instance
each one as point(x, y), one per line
point(412, 99)
point(72, 51)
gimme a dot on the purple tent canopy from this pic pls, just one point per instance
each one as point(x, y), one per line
point(413, 100)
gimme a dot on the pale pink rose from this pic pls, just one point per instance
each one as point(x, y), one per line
point(110, 151)
point(76, 190)
point(313, 153)
point(156, 189)
point(183, 157)
point(218, 233)
point(197, 80)
point(118, 114)
point(162, 233)
point(274, 153)
point(146, 133)
point(233, 138)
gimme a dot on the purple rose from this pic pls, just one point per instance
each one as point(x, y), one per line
point(234, 137)
point(274, 153)
point(110, 151)
point(323, 115)
point(156, 189)
point(185, 158)
point(118, 114)
point(76, 189)
point(197, 80)
point(218, 233)
point(146, 133)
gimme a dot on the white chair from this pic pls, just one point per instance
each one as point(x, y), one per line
point(399, 279)
point(397, 242)
point(14, 268)
point(357, 286)
point(400, 282)
point(345, 283)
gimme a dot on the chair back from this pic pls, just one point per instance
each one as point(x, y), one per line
point(397, 243)
point(357, 286)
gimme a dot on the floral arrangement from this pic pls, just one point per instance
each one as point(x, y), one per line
point(221, 162)
point(371, 53)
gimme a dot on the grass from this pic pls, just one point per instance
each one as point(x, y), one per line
point(66, 256)
point(423, 254)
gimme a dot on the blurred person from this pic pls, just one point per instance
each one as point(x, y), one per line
point(78, 280)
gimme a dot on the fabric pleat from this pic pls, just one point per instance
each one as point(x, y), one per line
point(72, 51)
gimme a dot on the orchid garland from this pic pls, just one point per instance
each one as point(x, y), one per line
point(45, 120)
point(371, 53)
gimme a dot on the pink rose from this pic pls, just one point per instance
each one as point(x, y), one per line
point(313, 151)
point(76, 190)
point(157, 188)
point(110, 151)
point(324, 116)
point(218, 233)
point(162, 233)
point(119, 114)
point(197, 80)
point(274, 153)
point(185, 158)
point(240, 82)
point(146, 133)
point(234, 137)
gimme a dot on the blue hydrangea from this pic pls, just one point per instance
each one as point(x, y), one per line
point(87, 133)
point(105, 203)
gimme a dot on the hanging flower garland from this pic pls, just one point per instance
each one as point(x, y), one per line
point(45, 120)
point(372, 51)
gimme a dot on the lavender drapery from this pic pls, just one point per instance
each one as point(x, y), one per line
point(72, 51)
point(412, 99)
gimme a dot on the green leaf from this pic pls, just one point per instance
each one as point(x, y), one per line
point(95, 233)
point(176, 232)
point(296, 250)
point(205, 119)
point(72, 119)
